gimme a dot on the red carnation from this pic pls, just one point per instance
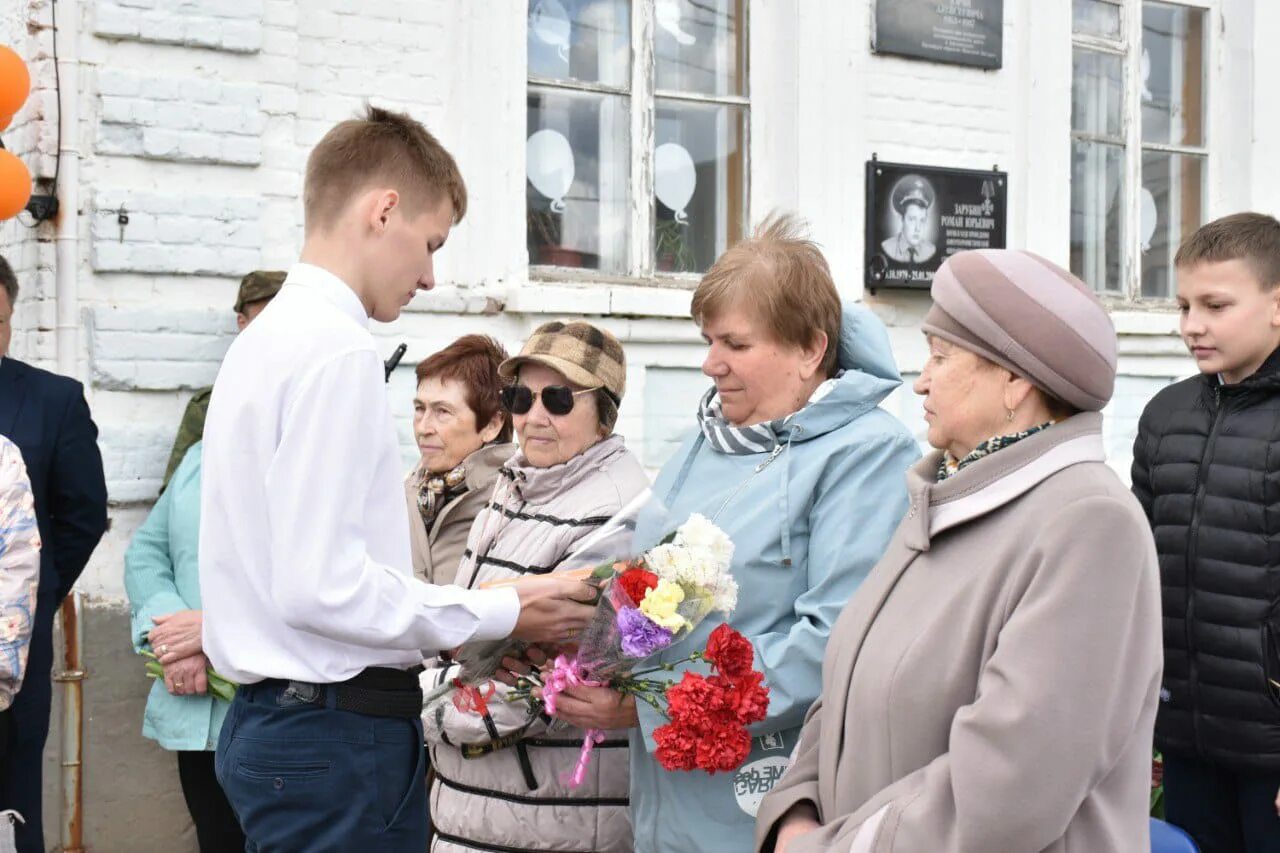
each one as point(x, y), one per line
point(635, 583)
point(677, 747)
point(746, 697)
point(693, 698)
point(730, 652)
point(724, 748)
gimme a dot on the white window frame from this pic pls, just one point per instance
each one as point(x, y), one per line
point(1130, 48)
point(643, 94)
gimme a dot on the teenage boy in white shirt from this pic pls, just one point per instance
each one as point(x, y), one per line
point(309, 597)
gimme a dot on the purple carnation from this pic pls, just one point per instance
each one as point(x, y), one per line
point(640, 636)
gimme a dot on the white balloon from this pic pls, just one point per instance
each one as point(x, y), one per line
point(674, 178)
point(550, 165)
point(550, 23)
point(1149, 217)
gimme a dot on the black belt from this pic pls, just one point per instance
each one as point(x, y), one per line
point(376, 691)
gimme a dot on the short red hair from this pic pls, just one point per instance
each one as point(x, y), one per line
point(472, 361)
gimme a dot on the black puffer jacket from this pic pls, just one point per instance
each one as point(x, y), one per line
point(1206, 468)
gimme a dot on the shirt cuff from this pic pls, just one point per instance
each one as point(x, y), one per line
point(497, 611)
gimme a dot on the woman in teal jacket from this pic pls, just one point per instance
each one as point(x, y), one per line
point(162, 581)
point(795, 461)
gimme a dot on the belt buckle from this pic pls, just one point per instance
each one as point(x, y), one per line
point(301, 692)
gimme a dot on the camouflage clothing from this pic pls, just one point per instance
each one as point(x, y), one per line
point(189, 431)
point(257, 286)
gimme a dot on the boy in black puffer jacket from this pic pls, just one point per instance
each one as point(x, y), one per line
point(1206, 468)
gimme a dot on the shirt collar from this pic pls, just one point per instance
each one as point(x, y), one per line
point(332, 288)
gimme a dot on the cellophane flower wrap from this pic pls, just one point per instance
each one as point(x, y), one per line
point(646, 604)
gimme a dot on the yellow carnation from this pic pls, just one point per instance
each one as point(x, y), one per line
point(661, 603)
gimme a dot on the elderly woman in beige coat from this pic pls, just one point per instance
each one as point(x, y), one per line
point(464, 436)
point(993, 684)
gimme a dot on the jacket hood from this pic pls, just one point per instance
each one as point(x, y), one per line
point(869, 376)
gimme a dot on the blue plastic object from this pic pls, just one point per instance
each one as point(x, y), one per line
point(1167, 838)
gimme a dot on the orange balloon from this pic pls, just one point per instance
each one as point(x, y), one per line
point(5, 121)
point(15, 81)
point(15, 185)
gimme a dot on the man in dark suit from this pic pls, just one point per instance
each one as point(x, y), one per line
point(47, 417)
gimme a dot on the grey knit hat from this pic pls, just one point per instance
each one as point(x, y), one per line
point(1030, 316)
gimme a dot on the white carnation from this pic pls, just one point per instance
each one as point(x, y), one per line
point(700, 533)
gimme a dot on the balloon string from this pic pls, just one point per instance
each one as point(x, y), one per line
point(557, 205)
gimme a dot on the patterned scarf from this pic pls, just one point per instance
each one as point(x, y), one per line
point(950, 466)
point(743, 441)
point(435, 491)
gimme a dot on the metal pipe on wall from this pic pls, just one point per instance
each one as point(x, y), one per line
point(67, 300)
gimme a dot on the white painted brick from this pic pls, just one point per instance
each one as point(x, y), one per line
point(186, 119)
point(218, 24)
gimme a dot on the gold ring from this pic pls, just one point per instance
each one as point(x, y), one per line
point(177, 684)
point(163, 649)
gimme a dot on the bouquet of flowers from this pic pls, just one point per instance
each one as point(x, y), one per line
point(646, 604)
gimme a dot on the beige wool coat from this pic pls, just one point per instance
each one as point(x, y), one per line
point(438, 551)
point(992, 686)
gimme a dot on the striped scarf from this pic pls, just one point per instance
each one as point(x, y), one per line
point(745, 440)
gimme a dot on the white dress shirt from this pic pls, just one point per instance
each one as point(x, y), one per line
point(305, 571)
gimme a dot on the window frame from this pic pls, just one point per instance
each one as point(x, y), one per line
point(642, 107)
point(1129, 48)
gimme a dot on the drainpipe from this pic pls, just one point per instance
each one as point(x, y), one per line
point(67, 298)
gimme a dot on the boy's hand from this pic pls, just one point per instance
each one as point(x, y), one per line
point(552, 610)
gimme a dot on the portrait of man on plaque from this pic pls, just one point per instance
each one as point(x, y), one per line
point(912, 201)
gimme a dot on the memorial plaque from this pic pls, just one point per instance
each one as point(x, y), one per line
point(961, 32)
point(918, 216)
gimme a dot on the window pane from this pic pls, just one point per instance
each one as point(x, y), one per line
point(576, 164)
point(1097, 214)
point(1173, 62)
point(1096, 18)
point(585, 40)
point(700, 46)
point(1097, 93)
point(699, 179)
point(1172, 204)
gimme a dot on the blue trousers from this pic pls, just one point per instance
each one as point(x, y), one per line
point(1225, 811)
point(306, 778)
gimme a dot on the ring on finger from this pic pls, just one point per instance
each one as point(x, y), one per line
point(163, 649)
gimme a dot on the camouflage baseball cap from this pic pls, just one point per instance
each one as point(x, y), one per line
point(258, 285)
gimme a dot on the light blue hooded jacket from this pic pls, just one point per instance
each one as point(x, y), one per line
point(807, 527)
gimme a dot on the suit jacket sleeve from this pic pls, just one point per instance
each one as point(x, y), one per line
point(78, 492)
point(1094, 594)
point(799, 784)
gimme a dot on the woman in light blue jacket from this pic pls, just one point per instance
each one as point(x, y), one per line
point(795, 461)
point(162, 581)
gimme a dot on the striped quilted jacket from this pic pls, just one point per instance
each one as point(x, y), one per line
point(497, 780)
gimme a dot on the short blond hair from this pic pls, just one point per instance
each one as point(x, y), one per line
point(382, 147)
point(782, 278)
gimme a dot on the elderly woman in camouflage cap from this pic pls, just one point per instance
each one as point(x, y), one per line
point(498, 776)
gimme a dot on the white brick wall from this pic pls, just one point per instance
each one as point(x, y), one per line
point(176, 234)
point(230, 25)
point(163, 117)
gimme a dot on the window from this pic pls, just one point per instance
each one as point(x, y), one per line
point(636, 152)
point(1139, 147)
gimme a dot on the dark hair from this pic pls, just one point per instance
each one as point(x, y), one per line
point(1250, 237)
point(9, 282)
point(384, 146)
point(472, 361)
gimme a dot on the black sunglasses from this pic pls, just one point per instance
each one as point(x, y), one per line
point(556, 399)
